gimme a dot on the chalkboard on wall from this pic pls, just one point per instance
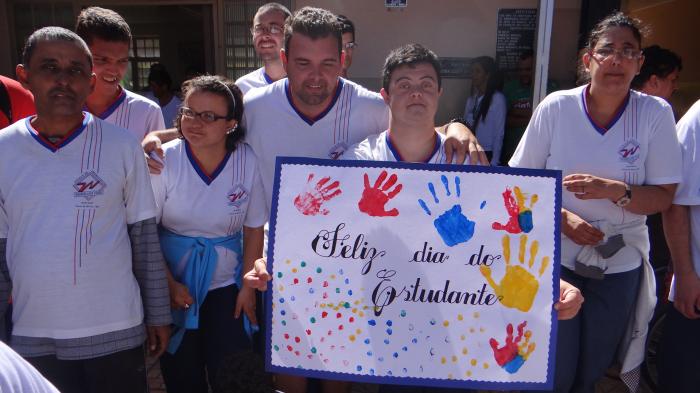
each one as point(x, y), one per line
point(515, 35)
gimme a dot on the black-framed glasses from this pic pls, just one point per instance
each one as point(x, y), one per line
point(606, 53)
point(350, 45)
point(206, 116)
point(261, 29)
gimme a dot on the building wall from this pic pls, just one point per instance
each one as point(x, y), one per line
point(451, 28)
point(672, 27)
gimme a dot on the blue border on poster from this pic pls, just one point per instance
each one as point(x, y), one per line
point(413, 381)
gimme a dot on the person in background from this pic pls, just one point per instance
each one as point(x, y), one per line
point(619, 155)
point(485, 111)
point(268, 38)
point(16, 102)
point(349, 43)
point(659, 73)
point(160, 83)
point(678, 361)
point(109, 38)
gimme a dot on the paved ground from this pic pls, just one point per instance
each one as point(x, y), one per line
point(609, 384)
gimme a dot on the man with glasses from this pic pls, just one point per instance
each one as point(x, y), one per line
point(349, 44)
point(268, 37)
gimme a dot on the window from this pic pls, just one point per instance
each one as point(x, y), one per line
point(144, 52)
point(239, 55)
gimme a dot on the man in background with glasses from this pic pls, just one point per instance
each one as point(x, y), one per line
point(268, 37)
point(349, 44)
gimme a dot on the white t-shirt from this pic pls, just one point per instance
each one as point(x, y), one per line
point(190, 203)
point(489, 130)
point(18, 376)
point(134, 112)
point(275, 128)
point(688, 191)
point(64, 211)
point(252, 80)
point(639, 147)
point(379, 148)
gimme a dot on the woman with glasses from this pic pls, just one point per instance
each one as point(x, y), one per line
point(485, 111)
point(619, 155)
point(209, 198)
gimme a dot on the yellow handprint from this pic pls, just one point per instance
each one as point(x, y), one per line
point(518, 286)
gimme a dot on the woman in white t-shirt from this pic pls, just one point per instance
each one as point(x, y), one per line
point(485, 110)
point(210, 199)
point(619, 155)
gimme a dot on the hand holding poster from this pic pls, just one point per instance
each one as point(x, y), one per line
point(413, 274)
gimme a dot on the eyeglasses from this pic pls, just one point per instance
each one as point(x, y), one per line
point(603, 54)
point(350, 45)
point(272, 29)
point(206, 116)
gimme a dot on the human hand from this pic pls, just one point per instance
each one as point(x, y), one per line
point(687, 296)
point(374, 198)
point(586, 186)
point(180, 297)
point(152, 146)
point(258, 276)
point(579, 230)
point(245, 302)
point(570, 301)
point(460, 142)
point(158, 337)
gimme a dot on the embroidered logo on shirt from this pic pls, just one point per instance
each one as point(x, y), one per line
point(629, 151)
point(337, 150)
point(237, 195)
point(88, 186)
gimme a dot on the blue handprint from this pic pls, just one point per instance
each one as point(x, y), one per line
point(452, 225)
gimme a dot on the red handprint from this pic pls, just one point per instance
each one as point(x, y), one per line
point(375, 198)
point(309, 202)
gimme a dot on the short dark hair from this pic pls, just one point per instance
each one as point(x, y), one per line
point(657, 61)
point(409, 55)
point(226, 89)
point(52, 33)
point(314, 23)
point(346, 26)
point(159, 75)
point(102, 23)
point(274, 7)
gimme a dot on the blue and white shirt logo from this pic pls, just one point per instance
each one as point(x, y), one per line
point(88, 186)
point(629, 151)
point(237, 195)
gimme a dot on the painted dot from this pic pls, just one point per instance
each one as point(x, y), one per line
point(277, 348)
point(319, 270)
point(486, 365)
point(460, 317)
point(367, 341)
point(309, 280)
point(405, 370)
point(279, 274)
point(389, 331)
point(351, 319)
point(332, 276)
point(389, 373)
point(404, 349)
point(281, 300)
point(289, 348)
point(476, 314)
point(352, 337)
point(313, 349)
point(403, 313)
point(473, 362)
point(294, 270)
point(311, 290)
point(361, 314)
point(396, 354)
point(340, 327)
point(415, 340)
point(371, 371)
point(381, 358)
point(349, 292)
point(347, 281)
point(281, 288)
point(369, 353)
point(284, 323)
point(464, 351)
point(471, 330)
point(338, 315)
point(297, 340)
point(482, 330)
point(462, 337)
point(389, 323)
point(341, 272)
point(303, 264)
point(293, 298)
point(358, 331)
point(359, 368)
point(454, 359)
point(443, 360)
point(287, 261)
point(283, 312)
point(445, 323)
point(312, 319)
point(483, 204)
point(372, 322)
point(337, 290)
point(346, 305)
point(386, 341)
point(468, 373)
point(432, 321)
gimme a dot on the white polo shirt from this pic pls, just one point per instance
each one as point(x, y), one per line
point(379, 148)
point(64, 210)
point(134, 112)
point(253, 80)
point(192, 203)
point(688, 191)
point(276, 128)
point(638, 147)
